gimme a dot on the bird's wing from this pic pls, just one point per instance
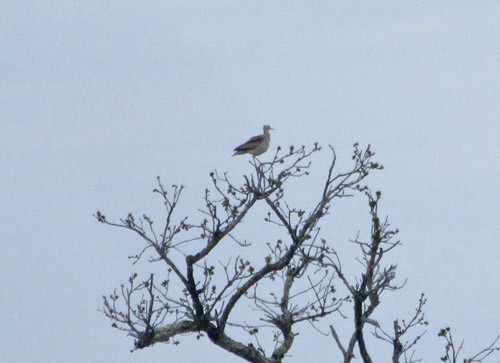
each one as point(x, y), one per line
point(250, 144)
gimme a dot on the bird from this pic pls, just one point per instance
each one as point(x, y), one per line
point(256, 145)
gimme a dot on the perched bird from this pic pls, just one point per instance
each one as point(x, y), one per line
point(256, 145)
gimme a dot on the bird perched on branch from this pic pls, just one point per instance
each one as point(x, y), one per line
point(256, 145)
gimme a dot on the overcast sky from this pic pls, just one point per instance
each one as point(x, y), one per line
point(97, 98)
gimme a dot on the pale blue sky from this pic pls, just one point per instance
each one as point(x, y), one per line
point(98, 98)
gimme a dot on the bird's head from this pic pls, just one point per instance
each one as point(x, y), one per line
point(267, 128)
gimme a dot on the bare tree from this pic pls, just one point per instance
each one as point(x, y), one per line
point(205, 291)
point(452, 351)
